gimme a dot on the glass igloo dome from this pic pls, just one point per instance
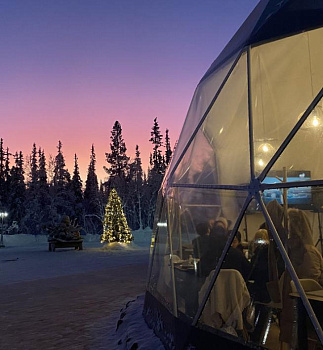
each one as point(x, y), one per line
point(237, 254)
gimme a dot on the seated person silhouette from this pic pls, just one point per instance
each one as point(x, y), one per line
point(307, 262)
point(218, 226)
point(202, 241)
point(236, 243)
point(234, 258)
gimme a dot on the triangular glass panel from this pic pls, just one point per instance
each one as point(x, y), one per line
point(203, 96)
point(160, 280)
point(198, 217)
point(300, 161)
point(286, 75)
point(219, 153)
point(245, 300)
point(299, 230)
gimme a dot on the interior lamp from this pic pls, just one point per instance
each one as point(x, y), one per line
point(264, 153)
point(314, 120)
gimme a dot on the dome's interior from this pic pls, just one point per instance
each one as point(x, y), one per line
point(249, 158)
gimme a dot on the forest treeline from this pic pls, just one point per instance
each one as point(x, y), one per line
point(37, 192)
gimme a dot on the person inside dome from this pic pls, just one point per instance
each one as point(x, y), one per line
point(307, 262)
point(236, 243)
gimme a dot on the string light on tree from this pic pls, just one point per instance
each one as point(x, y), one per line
point(115, 226)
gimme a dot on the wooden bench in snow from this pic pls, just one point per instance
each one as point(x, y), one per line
point(60, 243)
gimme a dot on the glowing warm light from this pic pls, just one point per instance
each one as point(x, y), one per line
point(315, 121)
point(221, 131)
point(261, 162)
point(264, 152)
point(265, 148)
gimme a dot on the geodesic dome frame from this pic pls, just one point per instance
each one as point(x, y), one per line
point(252, 135)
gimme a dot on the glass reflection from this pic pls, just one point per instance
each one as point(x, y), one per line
point(299, 227)
point(245, 300)
point(199, 221)
point(160, 282)
point(252, 298)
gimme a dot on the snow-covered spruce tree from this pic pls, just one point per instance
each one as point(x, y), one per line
point(43, 197)
point(118, 162)
point(33, 175)
point(133, 206)
point(17, 190)
point(92, 218)
point(76, 182)
point(61, 195)
point(91, 185)
point(117, 158)
point(155, 176)
point(37, 214)
point(157, 161)
point(118, 169)
point(61, 175)
point(42, 172)
point(168, 150)
point(75, 187)
point(115, 226)
point(4, 175)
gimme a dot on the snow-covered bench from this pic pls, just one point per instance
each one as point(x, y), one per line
point(60, 243)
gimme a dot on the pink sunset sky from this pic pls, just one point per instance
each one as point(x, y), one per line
point(71, 68)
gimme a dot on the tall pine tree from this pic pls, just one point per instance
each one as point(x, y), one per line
point(168, 149)
point(119, 164)
point(117, 158)
point(61, 195)
point(157, 161)
point(91, 184)
point(17, 191)
point(61, 175)
point(3, 198)
point(133, 208)
point(155, 176)
point(93, 214)
point(33, 176)
point(77, 192)
point(42, 172)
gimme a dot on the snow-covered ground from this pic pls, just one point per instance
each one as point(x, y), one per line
point(26, 258)
point(31, 252)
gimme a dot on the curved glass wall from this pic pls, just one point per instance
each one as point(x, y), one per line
point(203, 96)
point(200, 224)
point(213, 156)
point(286, 75)
point(259, 280)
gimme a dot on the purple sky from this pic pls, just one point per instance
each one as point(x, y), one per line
point(71, 68)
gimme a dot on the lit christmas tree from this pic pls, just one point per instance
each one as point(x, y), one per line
point(115, 226)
